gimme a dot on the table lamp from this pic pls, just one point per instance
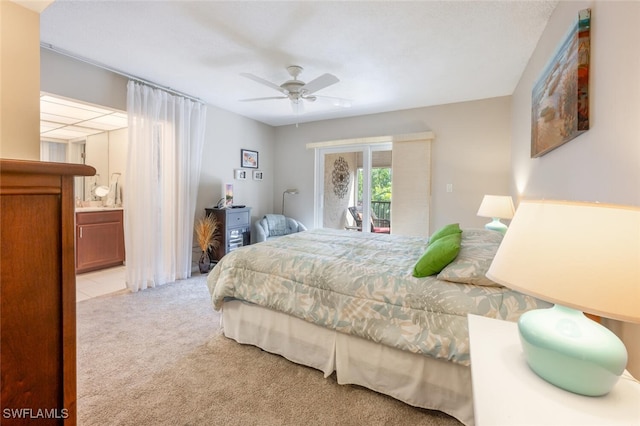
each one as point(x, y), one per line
point(582, 257)
point(290, 192)
point(496, 207)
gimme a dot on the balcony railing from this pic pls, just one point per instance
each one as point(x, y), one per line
point(382, 212)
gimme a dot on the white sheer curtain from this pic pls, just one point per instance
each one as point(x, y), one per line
point(53, 151)
point(166, 135)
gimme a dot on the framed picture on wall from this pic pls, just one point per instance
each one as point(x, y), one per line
point(248, 158)
point(241, 174)
point(560, 96)
point(257, 175)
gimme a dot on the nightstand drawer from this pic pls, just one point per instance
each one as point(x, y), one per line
point(237, 219)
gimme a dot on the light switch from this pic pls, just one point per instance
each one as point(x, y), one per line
point(449, 187)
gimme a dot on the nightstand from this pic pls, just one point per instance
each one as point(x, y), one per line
point(507, 392)
point(235, 229)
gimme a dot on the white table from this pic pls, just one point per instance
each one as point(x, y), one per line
point(507, 392)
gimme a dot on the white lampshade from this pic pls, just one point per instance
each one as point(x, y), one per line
point(581, 255)
point(496, 206)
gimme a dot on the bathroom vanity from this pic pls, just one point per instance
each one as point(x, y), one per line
point(99, 238)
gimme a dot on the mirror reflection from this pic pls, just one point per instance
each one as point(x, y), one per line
point(76, 132)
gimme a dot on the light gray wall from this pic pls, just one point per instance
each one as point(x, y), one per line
point(471, 151)
point(63, 76)
point(602, 164)
point(225, 135)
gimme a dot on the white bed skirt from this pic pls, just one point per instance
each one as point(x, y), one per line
point(414, 379)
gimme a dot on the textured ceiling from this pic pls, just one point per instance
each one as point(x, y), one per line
point(388, 55)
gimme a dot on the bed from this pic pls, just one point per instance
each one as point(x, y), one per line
point(347, 302)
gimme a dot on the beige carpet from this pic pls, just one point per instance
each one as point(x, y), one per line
point(158, 357)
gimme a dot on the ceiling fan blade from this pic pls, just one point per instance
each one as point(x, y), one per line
point(263, 99)
point(321, 82)
point(265, 82)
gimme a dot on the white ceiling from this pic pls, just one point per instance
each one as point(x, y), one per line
point(388, 55)
point(64, 120)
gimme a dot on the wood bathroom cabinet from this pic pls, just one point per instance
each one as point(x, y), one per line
point(99, 240)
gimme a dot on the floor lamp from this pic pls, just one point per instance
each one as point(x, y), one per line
point(290, 192)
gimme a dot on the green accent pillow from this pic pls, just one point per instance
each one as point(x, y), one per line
point(453, 228)
point(438, 255)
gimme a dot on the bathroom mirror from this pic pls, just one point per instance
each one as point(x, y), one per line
point(76, 132)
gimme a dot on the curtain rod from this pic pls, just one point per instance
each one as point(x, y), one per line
point(49, 46)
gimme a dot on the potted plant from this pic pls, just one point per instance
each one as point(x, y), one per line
point(207, 229)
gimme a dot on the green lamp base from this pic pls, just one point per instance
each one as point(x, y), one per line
point(496, 225)
point(569, 350)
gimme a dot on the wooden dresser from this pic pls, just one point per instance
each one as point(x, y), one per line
point(38, 294)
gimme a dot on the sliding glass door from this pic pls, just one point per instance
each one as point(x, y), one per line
point(353, 187)
point(380, 179)
point(353, 177)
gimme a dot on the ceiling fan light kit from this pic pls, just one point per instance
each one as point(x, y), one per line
point(297, 90)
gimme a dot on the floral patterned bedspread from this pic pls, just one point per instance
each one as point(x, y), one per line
point(362, 284)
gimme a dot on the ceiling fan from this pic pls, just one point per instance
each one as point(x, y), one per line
point(297, 90)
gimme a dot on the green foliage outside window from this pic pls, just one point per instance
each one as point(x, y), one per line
point(380, 184)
